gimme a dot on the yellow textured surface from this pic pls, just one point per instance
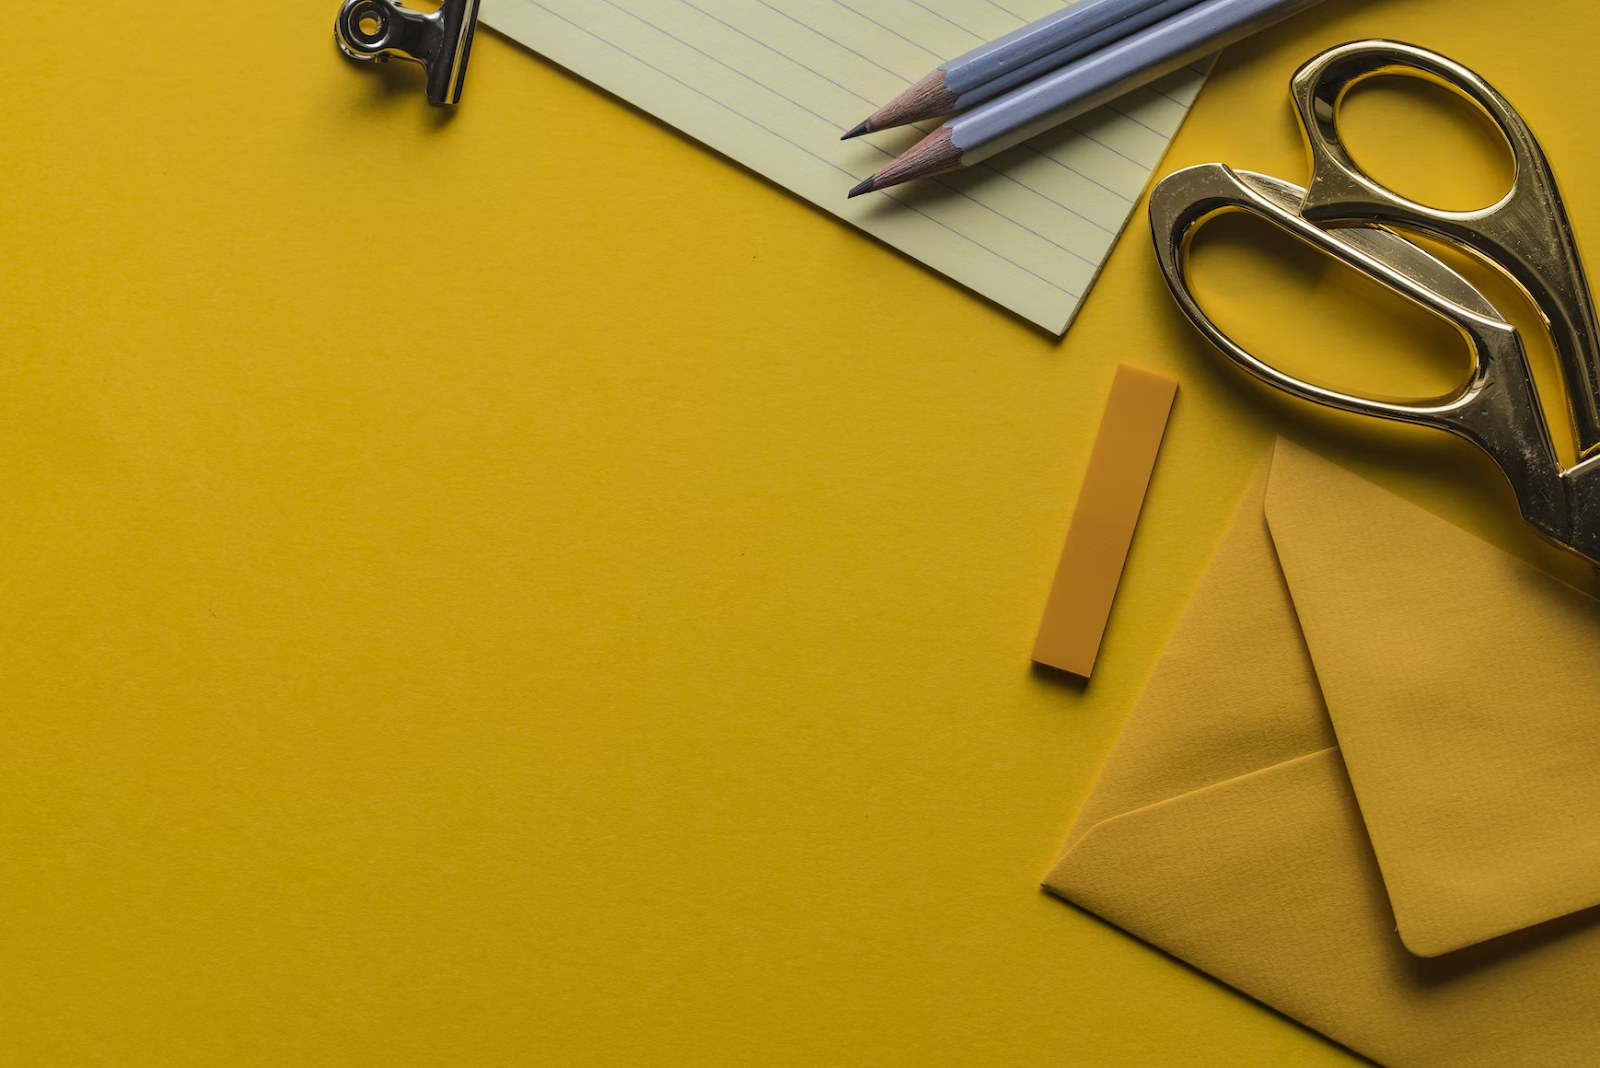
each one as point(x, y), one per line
point(515, 589)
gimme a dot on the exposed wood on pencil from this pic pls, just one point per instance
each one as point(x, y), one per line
point(1068, 91)
point(933, 154)
point(928, 99)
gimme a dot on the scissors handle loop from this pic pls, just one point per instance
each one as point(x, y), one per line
point(1526, 234)
point(1497, 407)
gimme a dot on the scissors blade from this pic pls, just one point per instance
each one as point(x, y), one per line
point(1385, 246)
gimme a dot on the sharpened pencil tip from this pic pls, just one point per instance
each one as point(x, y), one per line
point(864, 187)
point(861, 127)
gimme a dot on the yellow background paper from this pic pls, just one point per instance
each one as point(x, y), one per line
point(515, 588)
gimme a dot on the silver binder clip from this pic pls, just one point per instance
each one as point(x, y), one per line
point(441, 41)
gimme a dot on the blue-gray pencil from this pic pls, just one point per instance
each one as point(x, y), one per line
point(1081, 86)
point(1020, 56)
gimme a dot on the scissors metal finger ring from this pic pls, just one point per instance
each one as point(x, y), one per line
point(1346, 214)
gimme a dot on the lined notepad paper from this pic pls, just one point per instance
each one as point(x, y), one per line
point(773, 83)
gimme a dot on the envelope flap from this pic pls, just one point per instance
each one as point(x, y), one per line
point(1464, 688)
point(1234, 691)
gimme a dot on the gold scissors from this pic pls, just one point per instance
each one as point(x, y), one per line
point(1346, 214)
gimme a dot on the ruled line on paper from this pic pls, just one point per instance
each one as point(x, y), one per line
point(772, 83)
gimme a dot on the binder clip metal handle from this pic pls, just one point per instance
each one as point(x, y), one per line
point(441, 41)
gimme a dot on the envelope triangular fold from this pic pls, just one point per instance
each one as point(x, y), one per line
point(1224, 828)
point(1464, 687)
point(1234, 690)
point(1267, 883)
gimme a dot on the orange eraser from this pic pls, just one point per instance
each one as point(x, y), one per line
point(1102, 524)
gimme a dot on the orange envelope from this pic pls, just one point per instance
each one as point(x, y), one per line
point(1363, 783)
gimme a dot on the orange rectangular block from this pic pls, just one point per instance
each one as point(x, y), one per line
point(1102, 524)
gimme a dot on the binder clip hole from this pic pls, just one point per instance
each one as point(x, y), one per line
point(366, 25)
point(380, 30)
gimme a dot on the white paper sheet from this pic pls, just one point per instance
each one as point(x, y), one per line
point(773, 83)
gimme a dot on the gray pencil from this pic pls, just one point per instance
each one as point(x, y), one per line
point(1018, 57)
point(1082, 86)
